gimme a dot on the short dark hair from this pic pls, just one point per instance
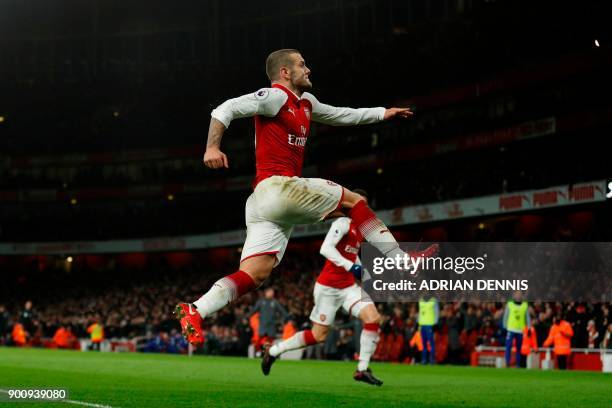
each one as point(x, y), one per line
point(278, 59)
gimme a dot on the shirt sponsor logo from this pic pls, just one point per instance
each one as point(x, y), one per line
point(296, 141)
point(349, 249)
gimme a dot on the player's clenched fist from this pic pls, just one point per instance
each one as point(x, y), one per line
point(215, 158)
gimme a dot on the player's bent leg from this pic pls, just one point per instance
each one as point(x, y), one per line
point(252, 273)
point(367, 344)
point(299, 340)
point(371, 227)
point(374, 229)
point(259, 267)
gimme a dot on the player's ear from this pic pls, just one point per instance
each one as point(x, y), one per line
point(285, 73)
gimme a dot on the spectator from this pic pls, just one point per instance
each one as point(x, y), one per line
point(147, 297)
point(177, 343)
point(428, 317)
point(158, 344)
point(245, 333)
point(289, 329)
point(27, 317)
point(579, 318)
point(607, 342)
point(346, 345)
point(415, 345)
point(64, 338)
point(560, 336)
point(96, 332)
point(593, 335)
point(270, 310)
point(19, 335)
point(471, 319)
point(530, 343)
point(516, 319)
point(330, 347)
point(454, 322)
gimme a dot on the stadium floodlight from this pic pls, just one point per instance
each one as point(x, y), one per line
point(596, 43)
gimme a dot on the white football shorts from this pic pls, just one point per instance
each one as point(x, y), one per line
point(277, 204)
point(328, 300)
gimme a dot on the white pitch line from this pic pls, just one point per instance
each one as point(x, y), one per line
point(87, 404)
point(83, 403)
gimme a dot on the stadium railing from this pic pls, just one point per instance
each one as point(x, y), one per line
point(589, 359)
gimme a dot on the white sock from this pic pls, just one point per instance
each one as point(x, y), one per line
point(219, 295)
point(367, 347)
point(297, 341)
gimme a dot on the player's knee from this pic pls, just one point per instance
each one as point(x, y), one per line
point(258, 267)
point(320, 338)
point(320, 333)
point(372, 317)
point(259, 276)
point(359, 197)
point(351, 198)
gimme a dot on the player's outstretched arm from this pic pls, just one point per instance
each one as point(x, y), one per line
point(332, 115)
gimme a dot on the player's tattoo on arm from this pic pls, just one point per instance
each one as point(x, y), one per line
point(215, 133)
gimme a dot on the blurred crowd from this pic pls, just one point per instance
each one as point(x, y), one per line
point(132, 305)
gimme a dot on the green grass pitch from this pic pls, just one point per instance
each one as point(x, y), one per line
point(154, 380)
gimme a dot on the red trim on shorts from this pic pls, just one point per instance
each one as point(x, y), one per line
point(259, 254)
point(320, 324)
point(351, 307)
point(371, 327)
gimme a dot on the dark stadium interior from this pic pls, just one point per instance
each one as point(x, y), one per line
point(105, 109)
